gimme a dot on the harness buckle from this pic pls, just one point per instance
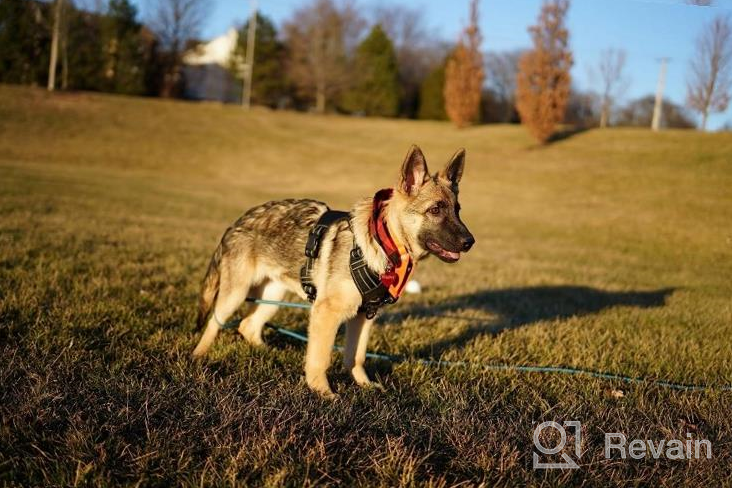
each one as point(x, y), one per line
point(312, 247)
point(311, 292)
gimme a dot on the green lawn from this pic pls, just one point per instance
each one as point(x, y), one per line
point(610, 250)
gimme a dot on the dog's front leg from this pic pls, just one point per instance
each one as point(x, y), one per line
point(354, 355)
point(325, 318)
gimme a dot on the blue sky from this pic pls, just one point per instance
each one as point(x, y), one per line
point(645, 29)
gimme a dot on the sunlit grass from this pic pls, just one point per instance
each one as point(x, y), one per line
point(610, 250)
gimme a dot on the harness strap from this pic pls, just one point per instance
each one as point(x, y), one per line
point(312, 249)
point(374, 293)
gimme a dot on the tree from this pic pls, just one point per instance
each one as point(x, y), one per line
point(638, 113)
point(85, 58)
point(611, 79)
point(710, 79)
point(376, 90)
point(418, 53)
point(464, 74)
point(583, 108)
point(502, 69)
point(123, 50)
point(431, 95)
point(543, 83)
point(320, 36)
point(176, 22)
point(24, 41)
point(269, 80)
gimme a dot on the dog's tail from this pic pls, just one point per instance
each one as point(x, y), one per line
point(210, 286)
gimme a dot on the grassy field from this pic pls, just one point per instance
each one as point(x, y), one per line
point(609, 250)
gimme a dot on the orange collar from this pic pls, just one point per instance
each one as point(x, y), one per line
point(400, 264)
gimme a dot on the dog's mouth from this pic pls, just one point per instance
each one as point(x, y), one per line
point(442, 253)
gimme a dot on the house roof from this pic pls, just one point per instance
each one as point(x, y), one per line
point(216, 51)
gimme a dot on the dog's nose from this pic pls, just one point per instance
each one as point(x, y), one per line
point(468, 243)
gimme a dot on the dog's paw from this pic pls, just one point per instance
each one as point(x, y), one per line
point(250, 334)
point(362, 379)
point(321, 387)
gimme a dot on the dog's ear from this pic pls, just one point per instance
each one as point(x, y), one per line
point(453, 171)
point(414, 171)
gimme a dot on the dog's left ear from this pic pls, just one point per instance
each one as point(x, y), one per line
point(453, 172)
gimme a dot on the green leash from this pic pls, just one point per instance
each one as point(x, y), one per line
point(231, 324)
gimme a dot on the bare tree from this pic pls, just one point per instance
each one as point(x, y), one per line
point(176, 22)
point(611, 80)
point(710, 80)
point(502, 69)
point(418, 53)
point(320, 37)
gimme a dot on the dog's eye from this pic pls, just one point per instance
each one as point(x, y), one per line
point(435, 210)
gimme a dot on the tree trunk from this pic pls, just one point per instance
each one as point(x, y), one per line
point(320, 100)
point(65, 58)
point(704, 121)
point(603, 117)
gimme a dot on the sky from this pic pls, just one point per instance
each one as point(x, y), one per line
point(645, 29)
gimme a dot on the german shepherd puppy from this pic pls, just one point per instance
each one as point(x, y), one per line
point(262, 253)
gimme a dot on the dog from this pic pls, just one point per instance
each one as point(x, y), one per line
point(261, 256)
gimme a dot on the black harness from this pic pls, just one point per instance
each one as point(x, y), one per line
point(373, 292)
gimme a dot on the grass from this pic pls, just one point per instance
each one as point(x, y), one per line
point(610, 250)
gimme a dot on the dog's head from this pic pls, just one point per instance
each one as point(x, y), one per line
point(428, 212)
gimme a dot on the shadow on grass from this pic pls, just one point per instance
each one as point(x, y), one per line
point(563, 134)
point(518, 307)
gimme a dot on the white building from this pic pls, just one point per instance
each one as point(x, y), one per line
point(207, 73)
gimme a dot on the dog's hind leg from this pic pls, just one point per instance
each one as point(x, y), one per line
point(354, 354)
point(251, 326)
point(235, 283)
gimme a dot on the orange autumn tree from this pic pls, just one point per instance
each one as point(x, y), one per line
point(464, 75)
point(543, 81)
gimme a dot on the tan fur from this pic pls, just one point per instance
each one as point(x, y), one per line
point(261, 255)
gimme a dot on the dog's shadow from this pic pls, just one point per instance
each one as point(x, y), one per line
point(517, 307)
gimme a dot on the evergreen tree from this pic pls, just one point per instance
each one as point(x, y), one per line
point(85, 57)
point(24, 41)
point(431, 95)
point(376, 90)
point(123, 50)
point(269, 81)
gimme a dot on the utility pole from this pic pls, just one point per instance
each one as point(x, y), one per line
point(54, 46)
point(656, 123)
point(249, 62)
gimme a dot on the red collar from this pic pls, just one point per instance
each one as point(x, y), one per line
point(400, 264)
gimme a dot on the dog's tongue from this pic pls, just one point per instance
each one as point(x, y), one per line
point(452, 256)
